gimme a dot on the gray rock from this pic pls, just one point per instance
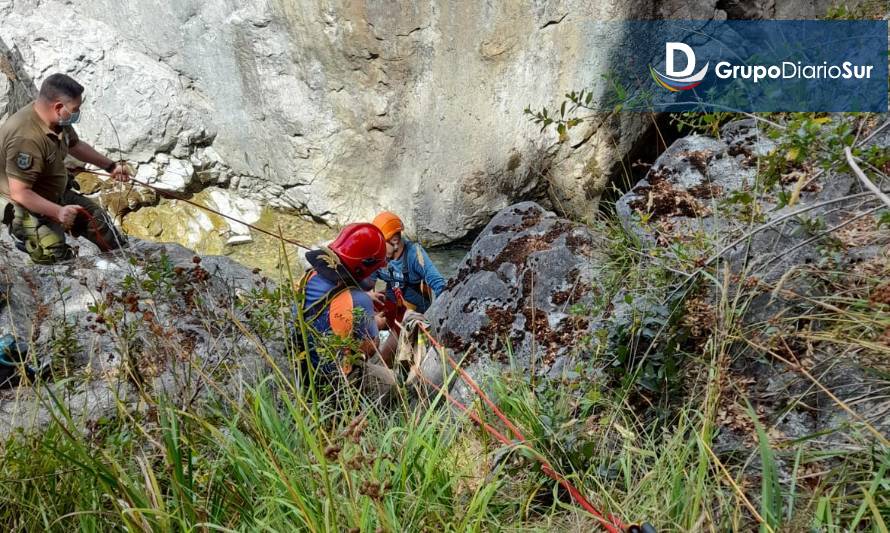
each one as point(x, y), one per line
point(176, 175)
point(513, 296)
point(16, 86)
point(145, 316)
point(693, 192)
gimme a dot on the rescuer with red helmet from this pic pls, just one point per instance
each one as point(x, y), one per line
point(336, 311)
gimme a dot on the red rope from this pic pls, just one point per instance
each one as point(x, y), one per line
point(611, 523)
point(472, 414)
point(91, 221)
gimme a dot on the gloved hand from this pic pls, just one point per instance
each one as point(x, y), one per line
point(412, 318)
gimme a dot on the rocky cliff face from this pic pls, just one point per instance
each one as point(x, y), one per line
point(339, 108)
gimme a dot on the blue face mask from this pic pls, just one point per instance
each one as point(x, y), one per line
point(73, 119)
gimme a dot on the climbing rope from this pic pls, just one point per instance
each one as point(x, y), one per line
point(93, 224)
point(610, 523)
point(168, 194)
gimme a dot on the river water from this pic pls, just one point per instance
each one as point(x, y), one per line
point(448, 258)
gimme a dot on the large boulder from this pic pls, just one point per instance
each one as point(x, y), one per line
point(704, 195)
point(707, 188)
point(150, 317)
point(341, 108)
point(521, 293)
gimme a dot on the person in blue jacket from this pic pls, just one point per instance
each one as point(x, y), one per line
point(412, 280)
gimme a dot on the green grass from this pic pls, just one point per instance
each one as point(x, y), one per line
point(274, 464)
point(277, 462)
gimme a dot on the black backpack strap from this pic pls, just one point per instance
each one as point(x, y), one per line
point(323, 302)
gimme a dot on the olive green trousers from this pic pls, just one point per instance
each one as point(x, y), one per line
point(44, 239)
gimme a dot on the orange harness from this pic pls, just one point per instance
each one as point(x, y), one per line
point(338, 304)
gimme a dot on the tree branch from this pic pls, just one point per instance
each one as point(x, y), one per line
point(864, 179)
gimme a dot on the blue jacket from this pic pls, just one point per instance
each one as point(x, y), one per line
point(407, 273)
point(332, 311)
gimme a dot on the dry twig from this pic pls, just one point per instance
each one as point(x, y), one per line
point(864, 179)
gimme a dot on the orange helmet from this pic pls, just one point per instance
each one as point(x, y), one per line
point(361, 248)
point(389, 224)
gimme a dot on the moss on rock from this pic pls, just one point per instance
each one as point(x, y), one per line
point(207, 233)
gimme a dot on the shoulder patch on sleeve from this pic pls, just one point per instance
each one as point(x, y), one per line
point(24, 161)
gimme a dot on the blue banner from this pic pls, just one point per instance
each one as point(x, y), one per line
point(753, 66)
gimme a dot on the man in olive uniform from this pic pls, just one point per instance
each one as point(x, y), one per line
point(33, 145)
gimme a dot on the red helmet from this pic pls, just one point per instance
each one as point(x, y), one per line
point(361, 249)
